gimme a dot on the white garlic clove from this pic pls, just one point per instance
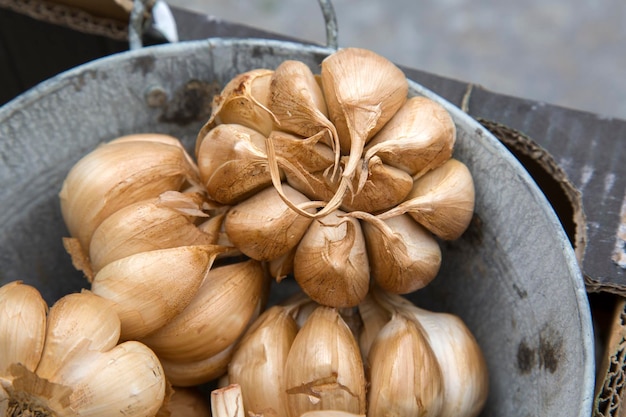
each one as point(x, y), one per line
point(324, 370)
point(374, 317)
point(150, 288)
point(127, 380)
point(80, 326)
point(193, 373)
point(152, 224)
point(22, 326)
point(229, 298)
point(404, 256)
point(258, 362)
point(119, 173)
point(418, 138)
point(465, 375)
point(442, 200)
point(331, 264)
point(405, 378)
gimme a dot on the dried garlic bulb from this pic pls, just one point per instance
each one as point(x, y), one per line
point(348, 142)
point(72, 364)
point(463, 367)
point(123, 171)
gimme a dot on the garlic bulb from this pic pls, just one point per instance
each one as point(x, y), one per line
point(118, 173)
point(464, 371)
point(350, 141)
point(81, 370)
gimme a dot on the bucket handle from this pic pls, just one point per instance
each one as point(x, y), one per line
point(137, 24)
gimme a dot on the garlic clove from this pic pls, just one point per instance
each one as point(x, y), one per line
point(279, 268)
point(80, 325)
point(331, 264)
point(243, 100)
point(189, 374)
point(230, 297)
point(382, 187)
point(442, 200)
point(466, 378)
point(153, 224)
point(22, 326)
point(258, 362)
point(227, 402)
point(232, 160)
point(150, 288)
point(363, 90)
point(324, 370)
point(404, 256)
point(264, 227)
point(418, 138)
point(127, 380)
point(405, 378)
point(374, 317)
point(297, 101)
point(306, 153)
point(120, 173)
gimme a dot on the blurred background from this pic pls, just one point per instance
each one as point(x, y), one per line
point(570, 53)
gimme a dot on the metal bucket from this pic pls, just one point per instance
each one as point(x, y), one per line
point(512, 276)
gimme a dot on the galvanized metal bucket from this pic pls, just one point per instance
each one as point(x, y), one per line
point(512, 276)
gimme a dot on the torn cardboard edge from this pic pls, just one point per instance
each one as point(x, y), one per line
point(610, 394)
point(108, 18)
point(564, 197)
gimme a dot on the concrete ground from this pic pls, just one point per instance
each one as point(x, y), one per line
point(566, 52)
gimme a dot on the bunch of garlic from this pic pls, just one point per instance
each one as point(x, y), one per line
point(147, 237)
point(67, 361)
point(396, 359)
point(338, 178)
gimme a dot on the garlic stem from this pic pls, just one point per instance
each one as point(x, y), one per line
point(227, 402)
